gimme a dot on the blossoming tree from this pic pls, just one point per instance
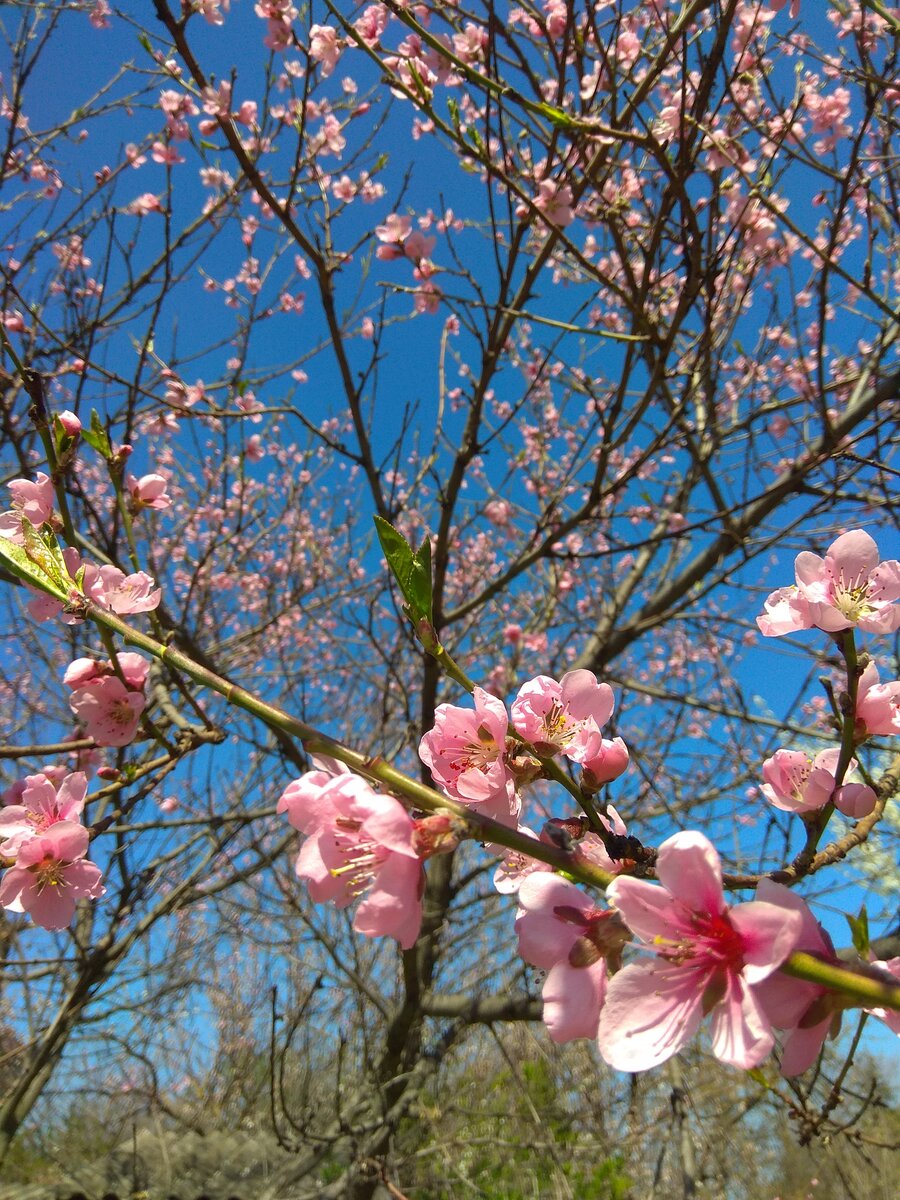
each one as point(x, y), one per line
point(357, 358)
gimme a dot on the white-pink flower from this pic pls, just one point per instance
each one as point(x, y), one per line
point(466, 754)
point(849, 587)
point(708, 957)
point(128, 593)
point(41, 806)
point(109, 710)
point(50, 875)
point(797, 783)
point(32, 499)
point(359, 844)
point(563, 717)
point(561, 930)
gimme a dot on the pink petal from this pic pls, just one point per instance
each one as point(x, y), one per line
point(802, 1046)
point(49, 907)
point(769, 934)
point(689, 868)
point(648, 910)
point(585, 698)
point(650, 1012)
point(853, 554)
point(572, 999)
point(884, 583)
point(741, 1034)
point(387, 822)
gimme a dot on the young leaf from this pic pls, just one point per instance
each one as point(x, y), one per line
point(397, 552)
point(20, 562)
point(420, 598)
point(96, 437)
point(859, 931)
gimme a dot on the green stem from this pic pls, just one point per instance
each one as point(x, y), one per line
point(868, 990)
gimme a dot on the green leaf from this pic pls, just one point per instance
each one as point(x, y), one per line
point(859, 931)
point(412, 571)
point(37, 562)
point(96, 437)
point(397, 551)
point(420, 580)
point(145, 42)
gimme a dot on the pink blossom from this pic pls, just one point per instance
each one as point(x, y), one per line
point(515, 866)
point(50, 875)
point(795, 782)
point(359, 843)
point(848, 587)
point(148, 492)
point(147, 202)
point(128, 593)
point(42, 805)
point(708, 959)
point(109, 711)
point(561, 718)
point(83, 671)
point(33, 499)
point(324, 47)
point(778, 5)
point(100, 14)
point(466, 754)
point(877, 705)
point(561, 930)
point(554, 201)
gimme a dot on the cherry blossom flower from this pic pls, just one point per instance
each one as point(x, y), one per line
point(797, 783)
point(32, 499)
point(708, 959)
point(466, 754)
point(778, 5)
point(877, 705)
point(848, 587)
point(561, 930)
point(128, 593)
point(554, 201)
point(324, 47)
point(109, 710)
point(359, 843)
point(42, 805)
point(147, 202)
point(515, 866)
point(563, 717)
point(50, 875)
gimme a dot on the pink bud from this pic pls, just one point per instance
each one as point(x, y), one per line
point(855, 800)
point(70, 423)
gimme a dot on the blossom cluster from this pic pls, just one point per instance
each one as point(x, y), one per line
point(707, 958)
point(43, 837)
point(106, 586)
point(108, 704)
